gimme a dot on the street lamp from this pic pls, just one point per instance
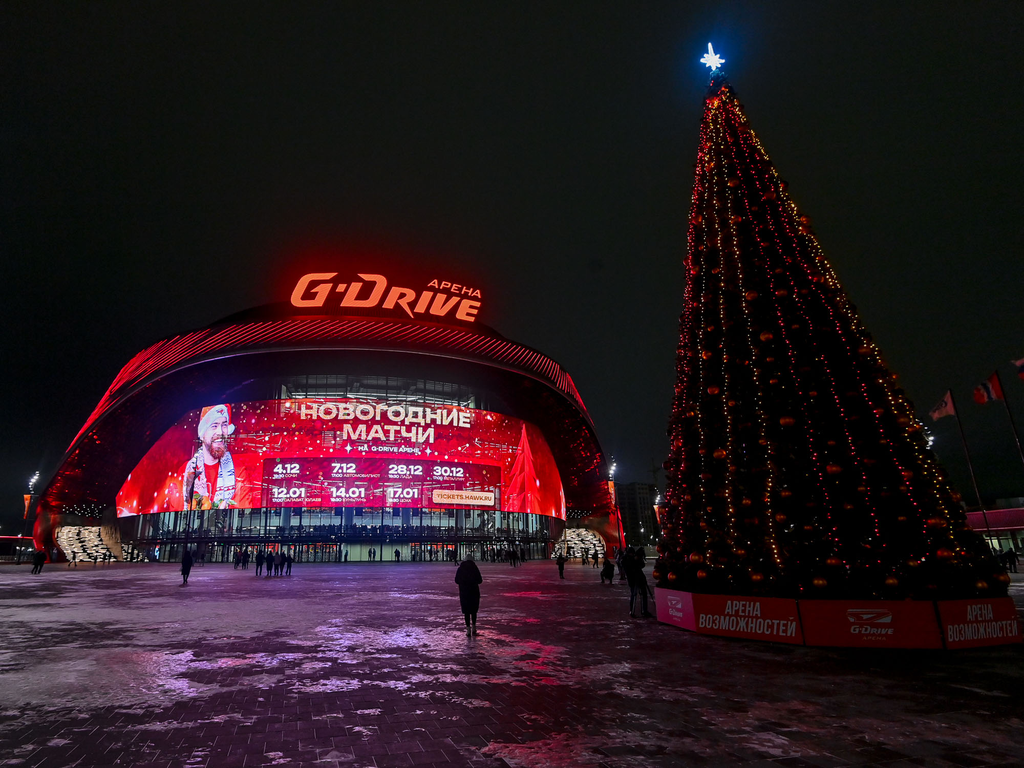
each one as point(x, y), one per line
point(31, 493)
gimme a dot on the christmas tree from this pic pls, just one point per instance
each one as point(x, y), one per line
point(796, 466)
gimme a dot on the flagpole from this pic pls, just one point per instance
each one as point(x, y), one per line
point(970, 465)
point(1009, 415)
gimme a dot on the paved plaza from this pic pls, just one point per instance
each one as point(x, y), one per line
point(369, 665)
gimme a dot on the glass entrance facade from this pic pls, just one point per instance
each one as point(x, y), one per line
point(325, 535)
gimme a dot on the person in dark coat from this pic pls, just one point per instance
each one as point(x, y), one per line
point(186, 567)
point(634, 563)
point(469, 579)
point(608, 570)
point(560, 562)
point(1010, 559)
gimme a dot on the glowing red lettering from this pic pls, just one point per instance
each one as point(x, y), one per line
point(319, 293)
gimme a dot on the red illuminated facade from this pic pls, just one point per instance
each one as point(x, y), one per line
point(357, 411)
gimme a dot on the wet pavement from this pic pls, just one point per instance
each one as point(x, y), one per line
point(370, 665)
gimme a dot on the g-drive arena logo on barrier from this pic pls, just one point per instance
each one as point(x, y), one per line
point(675, 606)
point(870, 621)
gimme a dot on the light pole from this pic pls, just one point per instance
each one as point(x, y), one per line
point(28, 504)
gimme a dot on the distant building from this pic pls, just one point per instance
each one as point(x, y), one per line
point(636, 506)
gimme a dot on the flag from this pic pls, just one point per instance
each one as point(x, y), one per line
point(1020, 366)
point(988, 390)
point(944, 408)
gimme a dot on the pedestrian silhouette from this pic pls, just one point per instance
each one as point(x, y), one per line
point(469, 579)
point(186, 567)
point(560, 562)
point(634, 563)
point(607, 570)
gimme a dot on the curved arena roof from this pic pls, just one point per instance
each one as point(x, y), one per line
point(226, 361)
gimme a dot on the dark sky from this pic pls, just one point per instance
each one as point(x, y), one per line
point(166, 164)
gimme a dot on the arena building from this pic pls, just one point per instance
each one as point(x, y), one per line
point(360, 415)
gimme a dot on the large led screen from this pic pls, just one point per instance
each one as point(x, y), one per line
point(345, 453)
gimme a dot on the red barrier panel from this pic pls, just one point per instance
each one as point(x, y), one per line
point(973, 623)
point(870, 623)
point(754, 618)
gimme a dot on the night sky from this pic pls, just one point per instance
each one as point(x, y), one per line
point(166, 164)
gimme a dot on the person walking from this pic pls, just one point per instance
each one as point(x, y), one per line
point(186, 566)
point(38, 559)
point(74, 559)
point(259, 561)
point(288, 564)
point(469, 579)
point(1011, 560)
point(560, 561)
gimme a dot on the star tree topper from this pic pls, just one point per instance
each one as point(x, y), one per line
point(712, 59)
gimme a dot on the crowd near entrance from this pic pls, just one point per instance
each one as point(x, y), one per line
point(363, 535)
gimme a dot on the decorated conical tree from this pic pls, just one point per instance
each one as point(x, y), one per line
point(796, 466)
